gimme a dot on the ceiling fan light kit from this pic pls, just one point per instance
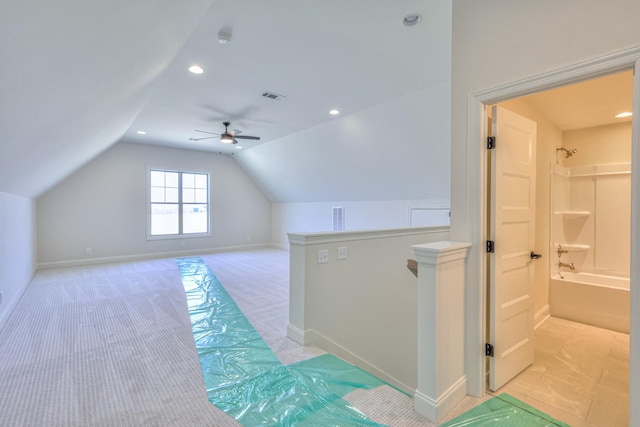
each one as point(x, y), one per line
point(227, 137)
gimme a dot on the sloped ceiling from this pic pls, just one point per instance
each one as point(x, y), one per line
point(77, 76)
point(74, 75)
point(396, 150)
point(389, 81)
point(319, 55)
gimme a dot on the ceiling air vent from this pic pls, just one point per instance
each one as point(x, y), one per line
point(273, 96)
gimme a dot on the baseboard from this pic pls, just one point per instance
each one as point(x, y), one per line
point(299, 336)
point(148, 256)
point(282, 246)
point(11, 305)
point(436, 409)
point(541, 316)
point(337, 350)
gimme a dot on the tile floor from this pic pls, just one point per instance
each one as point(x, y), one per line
point(580, 375)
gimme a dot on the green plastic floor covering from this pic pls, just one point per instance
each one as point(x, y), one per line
point(504, 410)
point(244, 377)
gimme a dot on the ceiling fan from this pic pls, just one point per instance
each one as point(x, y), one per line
point(228, 137)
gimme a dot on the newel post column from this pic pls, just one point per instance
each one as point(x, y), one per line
point(441, 377)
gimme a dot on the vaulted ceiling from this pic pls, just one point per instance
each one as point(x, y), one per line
point(76, 77)
point(79, 76)
point(322, 55)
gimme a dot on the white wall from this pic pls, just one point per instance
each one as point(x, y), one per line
point(363, 308)
point(17, 249)
point(376, 163)
point(317, 217)
point(599, 145)
point(103, 207)
point(497, 43)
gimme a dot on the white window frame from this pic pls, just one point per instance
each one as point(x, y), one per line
point(180, 234)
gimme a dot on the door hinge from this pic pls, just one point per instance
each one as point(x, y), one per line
point(488, 350)
point(491, 246)
point(491, 142)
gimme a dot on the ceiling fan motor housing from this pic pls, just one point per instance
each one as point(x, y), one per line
point(227, 138)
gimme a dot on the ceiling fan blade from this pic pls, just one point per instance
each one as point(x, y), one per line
point(235, 141)
point(256, 138)
point(204, 131)
point(200, 139)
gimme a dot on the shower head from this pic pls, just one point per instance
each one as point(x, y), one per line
point(567, 153)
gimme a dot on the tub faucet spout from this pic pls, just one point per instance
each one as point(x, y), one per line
point(564, 264)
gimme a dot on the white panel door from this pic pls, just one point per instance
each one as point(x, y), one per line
point(512, 229)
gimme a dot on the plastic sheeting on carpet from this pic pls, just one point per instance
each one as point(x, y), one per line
point(244, 377)
point(504, 410)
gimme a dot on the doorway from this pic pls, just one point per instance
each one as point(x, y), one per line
point(469, 206)
point(547, 110)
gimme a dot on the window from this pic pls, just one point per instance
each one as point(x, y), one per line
point(178, 203)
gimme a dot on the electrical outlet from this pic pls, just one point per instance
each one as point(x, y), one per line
point(323, 256)
point(342, 252)
point(87, 251)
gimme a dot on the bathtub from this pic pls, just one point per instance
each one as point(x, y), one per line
point(593, 299)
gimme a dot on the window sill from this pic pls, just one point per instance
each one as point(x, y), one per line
point(179, 236)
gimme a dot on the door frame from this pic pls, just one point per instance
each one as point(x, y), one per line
point(476, 185)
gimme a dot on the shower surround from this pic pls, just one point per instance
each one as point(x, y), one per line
point(590, 244)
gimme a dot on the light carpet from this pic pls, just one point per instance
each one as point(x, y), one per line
point(111, 345)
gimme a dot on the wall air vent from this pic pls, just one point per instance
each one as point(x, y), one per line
point(338, 218)
point(273, 96)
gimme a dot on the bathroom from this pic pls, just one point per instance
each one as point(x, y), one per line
point(591, 229)
point(583, 196)
point(582, 231)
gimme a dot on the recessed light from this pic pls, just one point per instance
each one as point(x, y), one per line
point(238, 147)
point(196, 69)
point(141, 132)
point(334, 112)
point(411, 19)
point(623, 115)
